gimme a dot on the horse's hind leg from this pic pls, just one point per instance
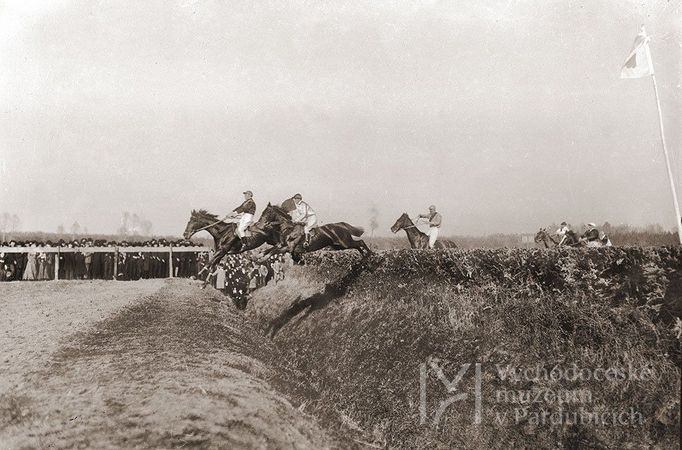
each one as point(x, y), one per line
point(360, 246)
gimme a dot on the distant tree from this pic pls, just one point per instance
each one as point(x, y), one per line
point(146, 226)
point(15, 223)
point(125, 219)
point(85, 230)
point(654, 228)
point(373, 219)
point(60, 229)
point(75, 228)
point(5, 220)
point(134, 227)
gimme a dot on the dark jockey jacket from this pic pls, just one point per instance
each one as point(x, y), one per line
point(248, 207)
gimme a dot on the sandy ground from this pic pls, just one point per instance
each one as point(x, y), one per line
point(149, 364)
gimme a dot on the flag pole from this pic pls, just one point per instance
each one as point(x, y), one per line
point(676, 204)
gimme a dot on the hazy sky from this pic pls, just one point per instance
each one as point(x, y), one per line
point(507, 115)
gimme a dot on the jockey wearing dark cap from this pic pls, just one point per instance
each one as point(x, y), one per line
point(244, 213)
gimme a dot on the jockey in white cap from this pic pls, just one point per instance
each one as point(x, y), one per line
point(591, 235)
point(435, 220)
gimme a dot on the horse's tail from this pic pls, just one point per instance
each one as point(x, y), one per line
point(353, 230)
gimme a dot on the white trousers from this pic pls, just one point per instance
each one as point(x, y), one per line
point(244, 221)
point(433, 235)
point(310, 223)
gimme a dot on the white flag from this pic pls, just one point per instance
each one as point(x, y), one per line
point(638, 62)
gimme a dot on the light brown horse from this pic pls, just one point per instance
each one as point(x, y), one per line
point(418, 239)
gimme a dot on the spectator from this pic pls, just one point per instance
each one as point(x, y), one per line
point(31, 269)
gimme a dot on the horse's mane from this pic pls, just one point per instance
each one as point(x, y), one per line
point(206, 214)
point(407, 216)
point(280, 211)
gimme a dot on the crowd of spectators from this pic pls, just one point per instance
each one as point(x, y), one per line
point(98, 265)
point(237, 276)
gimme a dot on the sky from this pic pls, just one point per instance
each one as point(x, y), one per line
point(507, 115)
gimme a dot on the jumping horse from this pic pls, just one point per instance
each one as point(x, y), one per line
point(572, 240)
point(225, 237)
point(338, 236)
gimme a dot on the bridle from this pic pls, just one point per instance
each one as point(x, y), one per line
point(409, 226)
point(405, 227)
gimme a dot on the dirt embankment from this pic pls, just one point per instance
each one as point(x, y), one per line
point(372, 340)
point(143, 364)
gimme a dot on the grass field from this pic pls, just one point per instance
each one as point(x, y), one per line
point(151, 364)
point(365, 334)
point(346, 353)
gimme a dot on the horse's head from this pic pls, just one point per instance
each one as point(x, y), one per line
point(197, 220)
point(540, 236)
point(270, 215)
point(192, 226)
point(402, 223)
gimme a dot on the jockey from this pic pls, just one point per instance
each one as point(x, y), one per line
point(435, 220)
point(562, 232)
point(244, 213)
point(591, 235)
point(305, 214)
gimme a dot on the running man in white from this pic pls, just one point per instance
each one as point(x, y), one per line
point(244, 213)
point(435, 220)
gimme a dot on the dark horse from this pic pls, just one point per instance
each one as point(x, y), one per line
point(338, 236)
point(202, 220)
point(572, 240)
point(225, 238)
point(417, 238)
point(543, 236)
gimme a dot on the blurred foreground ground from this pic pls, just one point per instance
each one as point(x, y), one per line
point(154, 363)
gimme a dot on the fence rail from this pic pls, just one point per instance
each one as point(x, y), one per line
point(114, 249)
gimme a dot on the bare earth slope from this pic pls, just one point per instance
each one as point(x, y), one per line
point(143, 364)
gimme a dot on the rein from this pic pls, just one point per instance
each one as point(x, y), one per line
point(208, 226)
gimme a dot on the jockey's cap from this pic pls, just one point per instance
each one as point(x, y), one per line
point(248, 193)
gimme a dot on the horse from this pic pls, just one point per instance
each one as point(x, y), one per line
point(202, 220)
point(225, 237)
point(571, 240)
point(418, 239)
point(338, 236)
